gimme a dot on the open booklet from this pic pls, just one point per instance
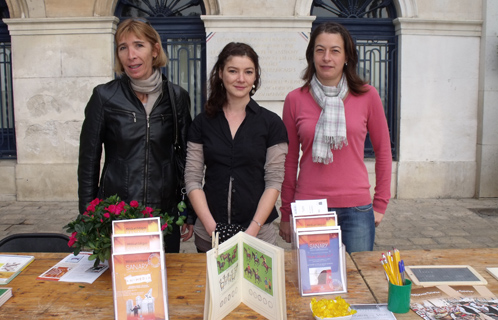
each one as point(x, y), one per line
point(74, 269)
point(245, 269)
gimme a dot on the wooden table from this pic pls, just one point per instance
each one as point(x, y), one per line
point(35, 299)
point(370, 268)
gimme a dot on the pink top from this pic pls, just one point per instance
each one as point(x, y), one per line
point(344, 182)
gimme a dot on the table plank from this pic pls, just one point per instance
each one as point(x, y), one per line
point(186, 278)
point(370, 268)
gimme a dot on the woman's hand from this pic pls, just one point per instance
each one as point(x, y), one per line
point(253, 229)
point(285, 231)
point(378, 218)
point(186, 232)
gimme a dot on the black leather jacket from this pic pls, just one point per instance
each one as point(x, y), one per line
point(139, 163)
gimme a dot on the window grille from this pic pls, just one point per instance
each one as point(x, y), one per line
point(7, 128)
point(183, 38)
point(371, 26)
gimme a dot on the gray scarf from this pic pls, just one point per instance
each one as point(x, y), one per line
point(330, 130)
point(151, 86)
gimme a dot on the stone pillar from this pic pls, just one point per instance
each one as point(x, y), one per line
point(56, 63)
point(438, 101)
point(487, 141)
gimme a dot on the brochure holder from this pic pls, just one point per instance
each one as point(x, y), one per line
point(139, 270)
point(318, 249)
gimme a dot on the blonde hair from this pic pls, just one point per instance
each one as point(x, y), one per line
point(142, 30)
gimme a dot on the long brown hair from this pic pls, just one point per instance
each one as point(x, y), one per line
point(218, 95)
point(355, 83)
point(143, 30)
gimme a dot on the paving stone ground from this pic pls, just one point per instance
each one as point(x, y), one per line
point(408, 224)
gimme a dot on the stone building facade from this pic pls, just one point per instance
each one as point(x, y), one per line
point(447, 86)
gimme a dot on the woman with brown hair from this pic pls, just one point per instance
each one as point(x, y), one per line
point(328, 119)
point(242, 147)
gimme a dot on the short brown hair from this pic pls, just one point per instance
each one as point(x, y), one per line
point(143, 30)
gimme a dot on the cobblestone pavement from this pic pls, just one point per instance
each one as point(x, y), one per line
point(408, 224)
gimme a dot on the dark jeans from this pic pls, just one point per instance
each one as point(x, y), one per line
point(357, 227)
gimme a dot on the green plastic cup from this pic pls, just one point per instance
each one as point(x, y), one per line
point(398, 297)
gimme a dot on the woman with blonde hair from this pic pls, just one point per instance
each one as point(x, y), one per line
point(136, 119)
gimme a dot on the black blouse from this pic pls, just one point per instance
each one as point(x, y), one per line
point(240, 160)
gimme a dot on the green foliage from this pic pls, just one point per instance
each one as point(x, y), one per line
point(92, 230)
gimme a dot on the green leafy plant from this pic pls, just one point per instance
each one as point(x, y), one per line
point(92, 230)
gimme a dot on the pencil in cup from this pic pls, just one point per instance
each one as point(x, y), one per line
point(393, 267)
point(387, 269)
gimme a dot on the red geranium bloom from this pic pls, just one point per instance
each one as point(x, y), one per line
point(148, 210)
point(111, 208)
point(164, 226)
point(72, 240)
point(134, 204)
point(107, 215)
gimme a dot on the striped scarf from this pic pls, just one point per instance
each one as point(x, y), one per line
point(330, 130)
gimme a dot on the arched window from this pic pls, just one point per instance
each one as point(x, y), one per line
point(183, 37)
point(7, 130)
point(370, 22)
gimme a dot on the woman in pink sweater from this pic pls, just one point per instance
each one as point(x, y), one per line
point(328, 119)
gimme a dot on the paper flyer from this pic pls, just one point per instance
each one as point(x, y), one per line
point(75, 269)
point(139, 286)
point(138, 243)
point(134, 226)
point(321, 266)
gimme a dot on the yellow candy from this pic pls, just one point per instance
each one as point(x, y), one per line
point(329, 308)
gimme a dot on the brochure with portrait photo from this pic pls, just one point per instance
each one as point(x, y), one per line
point(321, 262)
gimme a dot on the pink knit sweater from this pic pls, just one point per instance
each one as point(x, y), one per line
point(344, 182)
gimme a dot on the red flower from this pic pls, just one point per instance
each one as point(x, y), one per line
point(93, 204)
point(120, 208)
point(148, 211)
point(134, 204)
point(164, 226)
point(72, 240)
point(111, 208)
point(107, 215)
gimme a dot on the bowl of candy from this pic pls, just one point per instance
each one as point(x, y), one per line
point(331, 309)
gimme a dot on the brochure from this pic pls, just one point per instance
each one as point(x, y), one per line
point(454, 302)
point(245, 269)
point(12, 265)
point(372, 312)
point(75, 269)
point(139, 270)
point(139, 286)
point(321, 264)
